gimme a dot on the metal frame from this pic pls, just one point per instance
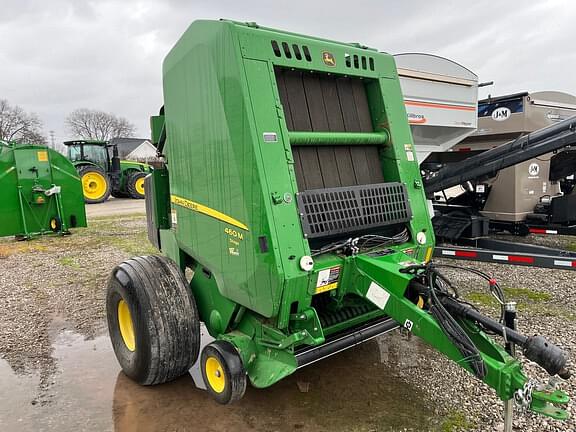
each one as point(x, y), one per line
point(552, 229)
point(501, 252)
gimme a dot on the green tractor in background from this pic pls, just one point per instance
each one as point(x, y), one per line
point(104, 175)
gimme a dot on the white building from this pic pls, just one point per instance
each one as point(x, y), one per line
point(137, 149)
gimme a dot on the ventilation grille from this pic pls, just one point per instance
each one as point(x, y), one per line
point(359, 62)
point(283, 49)
point(328, 212)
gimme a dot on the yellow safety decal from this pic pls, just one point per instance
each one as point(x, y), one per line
point(42, 156)
point(191, 205)
point(327, 279)
point(428, 254)
point(325, 288)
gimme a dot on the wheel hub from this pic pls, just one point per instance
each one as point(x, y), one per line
point(215, 375)
point(126, 325)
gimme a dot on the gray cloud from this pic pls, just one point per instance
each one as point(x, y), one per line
point(64, 54)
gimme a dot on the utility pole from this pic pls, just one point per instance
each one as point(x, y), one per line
point(52, 140)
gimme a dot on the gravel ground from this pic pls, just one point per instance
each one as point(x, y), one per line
point(55, 282)
point(553, 241)
point(545, 298)
point(51, 283)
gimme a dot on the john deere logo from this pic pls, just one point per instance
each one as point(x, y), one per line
point(328, 59)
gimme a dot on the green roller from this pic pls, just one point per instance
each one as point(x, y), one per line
point(40, 192)
point(293, 223)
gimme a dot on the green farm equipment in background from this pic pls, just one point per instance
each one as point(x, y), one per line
point(40, 192)
point(292, 199)
point(104, 174)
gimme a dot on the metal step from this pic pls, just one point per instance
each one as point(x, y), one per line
point(344, 340)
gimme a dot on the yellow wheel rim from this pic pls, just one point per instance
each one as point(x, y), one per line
point(140, 186)
point(215, 374)
point(53, 224)
point(94, 185)
point(126, 326)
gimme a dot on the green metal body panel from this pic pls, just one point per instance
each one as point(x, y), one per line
point(27, 174)
point(156, 128)
point(232, 186)
point(230, 104)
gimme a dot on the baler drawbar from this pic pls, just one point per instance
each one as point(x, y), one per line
point(293, 221)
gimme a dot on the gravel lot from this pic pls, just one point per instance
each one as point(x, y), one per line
point(53, 283)
point(545, 298)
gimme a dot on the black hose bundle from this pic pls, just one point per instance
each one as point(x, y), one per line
point(452, 329)
point(439, 286)
point(364, 243)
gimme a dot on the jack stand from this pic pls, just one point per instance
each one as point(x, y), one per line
point(509, 322)
point(508, 415)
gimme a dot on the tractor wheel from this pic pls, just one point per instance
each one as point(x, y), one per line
point(119, 194)
point(95, 184)
point(135, 185)
point(152, 320)
point(223, 372)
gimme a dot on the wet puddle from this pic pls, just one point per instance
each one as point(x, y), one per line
point(353, 391)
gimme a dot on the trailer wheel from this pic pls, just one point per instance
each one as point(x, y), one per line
point(55, 224)
point(135, 185)
point(95, 184)
point(223, 372)
point(152, 320)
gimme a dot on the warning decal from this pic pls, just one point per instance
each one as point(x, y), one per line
point(327, 279)
point(42, 156)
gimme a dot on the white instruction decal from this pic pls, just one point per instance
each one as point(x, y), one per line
point(377, 295)
point(409, 153)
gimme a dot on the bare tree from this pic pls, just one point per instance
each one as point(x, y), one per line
point(98, 125)
point(18, 126)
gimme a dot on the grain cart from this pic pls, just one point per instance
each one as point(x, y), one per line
point(293, 202)
point(534, 195)
point(40, 192)
point(104, 175)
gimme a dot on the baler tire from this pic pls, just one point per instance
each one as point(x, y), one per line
point(231, 375)
point(86, 170)
point(135, 185)
point(160, 339)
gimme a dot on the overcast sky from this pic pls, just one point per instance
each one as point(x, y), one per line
point(59, 55)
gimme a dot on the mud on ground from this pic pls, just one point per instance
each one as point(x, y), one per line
point(51, 283)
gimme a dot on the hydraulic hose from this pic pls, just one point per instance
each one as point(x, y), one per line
point(536, 348)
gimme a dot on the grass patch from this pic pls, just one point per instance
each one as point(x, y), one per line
point(527, 294)
point(456, 421)
point(13, 247)
point(481, 298)
point(124, 216)
point(69, 262)
point(126, 233)
point(522, 295)
point(134, 245)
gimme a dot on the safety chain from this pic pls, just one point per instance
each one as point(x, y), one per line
point(523, 397)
